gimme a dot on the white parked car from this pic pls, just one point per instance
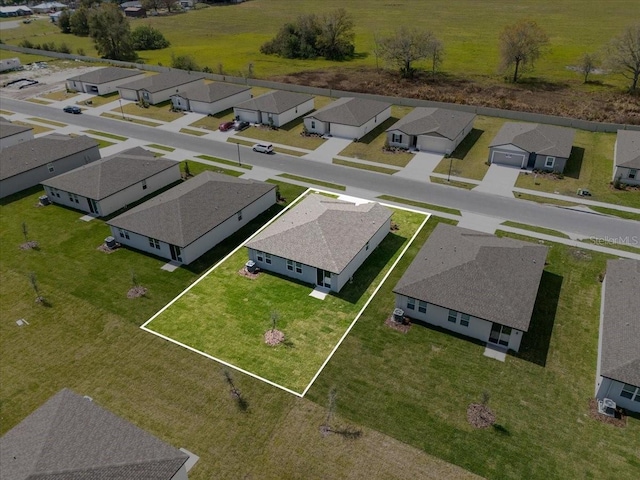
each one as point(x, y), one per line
point(263, 148)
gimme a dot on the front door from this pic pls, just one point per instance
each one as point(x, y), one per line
point(323, 278)
point(176, 254)
point(500, 334)
point(532, 160)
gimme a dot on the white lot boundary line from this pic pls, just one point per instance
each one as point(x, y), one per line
point(375, 292)
point(253, 375)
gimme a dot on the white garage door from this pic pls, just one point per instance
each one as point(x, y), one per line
point(508, 158)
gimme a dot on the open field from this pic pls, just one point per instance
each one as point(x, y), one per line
point(416, 386)
point(226, 314)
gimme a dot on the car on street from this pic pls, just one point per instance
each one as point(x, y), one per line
point(226, 126)
point(263, 148)
point(240, 125)
point(72, 109)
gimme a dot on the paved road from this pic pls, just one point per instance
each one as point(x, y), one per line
point(482, 203)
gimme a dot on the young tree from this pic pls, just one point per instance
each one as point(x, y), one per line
point(145, 37)
point(25, 231)
point(436, 55)
point(63, 22)
point(623, 55)
point(111, 34)
point(405, 47)
point(521, 44)
point(335, 41)
point(168, 4)
point(587, 65)
point(79, 21)
point(152, 4)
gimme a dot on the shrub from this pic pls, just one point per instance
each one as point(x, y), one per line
point(64, 48)
point(146, 37)
point(80, 51)
point(184, 62)
point(26, 44)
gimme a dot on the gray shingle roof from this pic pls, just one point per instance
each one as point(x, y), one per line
point(34, 153)
point(350, 111)
point(322, 232)
point(185, 212)
point(439, 121)
point(275, 102)
point(535, 137)
point(109, 175)
point(620, 355)
point(72, 438)
point(8, 129)
point(212, 92)
point(628, 149)
point(162, 81)
point(492, 278)
point(105, 75)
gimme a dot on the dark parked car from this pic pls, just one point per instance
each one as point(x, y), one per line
point(226, 126)
point(239, 126)
point(72, 109)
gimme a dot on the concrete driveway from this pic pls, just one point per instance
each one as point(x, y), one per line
point(420, 166)
point(329, 149)
point(499, 180)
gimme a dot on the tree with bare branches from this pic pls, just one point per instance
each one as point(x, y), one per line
point(623, 55)
point(521, 45)
point(409, 45)
point(587, 65)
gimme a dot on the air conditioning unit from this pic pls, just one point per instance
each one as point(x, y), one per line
point(398, 315)
point(44, 200)
point(607, 407)
point(250, 266)
point(110, 242)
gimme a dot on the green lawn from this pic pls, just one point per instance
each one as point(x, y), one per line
point(225, 162)
point(427, 206)
point(59, 95)
point(161, 112)
point(226, 314)
point(452, 183)
point(617, 213)
point(36, 128)
point(161, 147)
point(99, 100)
point(539, 199)
point(103, 143)
point(129, 119)
point(6, 112)
point(107, 135)
point(190, 131)
point(47, 121)
point(313, 181)
point(364, 166)
point(416, 386)
point(469, 160)
point(524, 226)
point(590, 166)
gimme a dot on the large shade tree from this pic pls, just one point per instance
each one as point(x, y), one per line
point(623, 55)
point(409, 45)
point(111, 34)
point(521, 44)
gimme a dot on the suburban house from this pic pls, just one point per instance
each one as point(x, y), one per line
point(13, 134)
point(274, 108)
point(47, 7)
point(618, 375)
point(103, 80)
point(158, 88)
point(474, 284)
point(135, 12)
point(111, 183)
point(437, 130)
point(626, 157)
point(29, 163)
point(321, 241)
point(348, 117)
point(190, 219)
point(532, 146)
point(71, 437)
point(15, 11)
point(210, 98)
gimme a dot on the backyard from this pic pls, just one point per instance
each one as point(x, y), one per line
point(226, 314)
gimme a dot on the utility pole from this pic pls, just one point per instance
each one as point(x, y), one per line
point(239, 162)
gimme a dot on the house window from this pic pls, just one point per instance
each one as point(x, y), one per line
point(396, 138)
point(422, 306)
point(548, 163)
point(240, 215)
point(153, 243)
point(633, 173)
point(145, 95)
point(50, 167)
point(313, 124)
point(267, 258)
point(453, 316)
point(290, 265)
point(464, 319)
point(260, 256)
point(73, 197)
point(144, 184)
point(630, 392)
point(298, 267)
point(123, 233)
point(411, 303)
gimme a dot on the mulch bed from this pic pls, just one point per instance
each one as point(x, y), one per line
point(105, 249)
point(400, 327)
point(620, 420)
point(136, 292)
point(273, 337)
point(30, 245)
point(245, 273)
point(480, 416)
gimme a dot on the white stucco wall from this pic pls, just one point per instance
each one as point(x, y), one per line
point(60, 197)
point(350, 132)
point(16, 139)
point(279, 265)
point(315, 126)
point(33, 177)
point(435, 315)
point(285, 117)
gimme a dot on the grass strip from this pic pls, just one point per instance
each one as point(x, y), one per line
point(49, 122)
point(224, 162)
point(617, 213)
point(38, 100)
point(609, 244)
point(132, 120)
point(452, 183)
point(103, 143)
point(196, 167)
point(320, 183)
point(5, 112)
point(161, 147)
point(192, 132)
point(107, 135)
point(36, 128)
point(539, 199)
point(364, 166)
point(532, 228)
point(427, 206)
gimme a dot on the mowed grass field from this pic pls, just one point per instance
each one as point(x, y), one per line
point(230, 36)
point(226, 314)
